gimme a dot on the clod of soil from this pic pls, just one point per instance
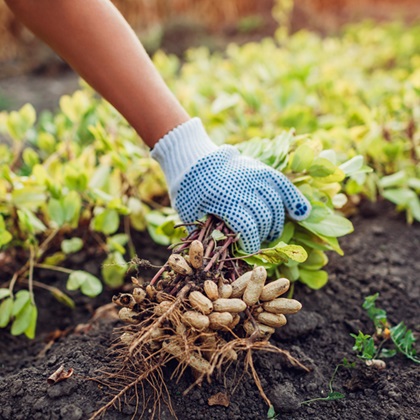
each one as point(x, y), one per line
point(381, 256)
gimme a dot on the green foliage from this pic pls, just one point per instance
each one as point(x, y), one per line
point(357, 93)
point(401, 337)
point(70, 180)
point(333, 395)
point(80, 176)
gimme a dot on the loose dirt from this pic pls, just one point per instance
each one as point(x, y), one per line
point(381, 256)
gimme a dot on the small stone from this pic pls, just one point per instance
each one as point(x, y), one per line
point(61, 389)
point(71, 412)
point(300, 324)
point(284, 398)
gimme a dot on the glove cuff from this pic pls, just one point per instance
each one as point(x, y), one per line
point(180, 149)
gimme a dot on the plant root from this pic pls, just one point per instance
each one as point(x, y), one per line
point(202, 309)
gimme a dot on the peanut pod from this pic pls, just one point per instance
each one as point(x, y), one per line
point(179, 265)
point(220, 320)
point(196, 320)
point(127, 338)
point(274, 289)
point(196, 254)
point(272, 320)
point(200, 302)
point(239, 285)
point(139, 294)
point(225, 289)
point(151, 291)
point(162, 307)
point(128, 315)
point(234, 305)
point(255, 286)
point(211, 290)
point(124, 299)
point(235, 322)
point(265, 330)
point(192, 359)
point(282, 306)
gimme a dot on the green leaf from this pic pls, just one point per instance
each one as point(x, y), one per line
point(114, 269)
point(332, 225)
point(217, 235)
point(400, 196)
point(88, 284)
point(316, 260)
point(313, 279)
point(5, 237)
point(69, 246)
point(6, 308)
point(23, 319)
point(100, 176)
point(271, 413)
point(404, 340)
point(55, 259)
point(29, 197)
point(22, 297)
point(72, 205)
point(353, 165)
point(282, 251)
point(62, 297)
point(117, 242)
point(302, 158)
point(106, 222)
point(30, 331)
point(4, 293)
point(335, 396)
point(56, 212)
point(364, 345)
point(321, 167)
point(30, 222)
point(387, 353)
point(398, 179)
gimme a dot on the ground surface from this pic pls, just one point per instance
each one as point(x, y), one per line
point(381, 256)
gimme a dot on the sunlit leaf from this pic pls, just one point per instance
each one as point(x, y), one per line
point(88, 284)
point(313, 279)
point(72, 245)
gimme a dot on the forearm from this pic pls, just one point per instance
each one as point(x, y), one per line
point(93, 37)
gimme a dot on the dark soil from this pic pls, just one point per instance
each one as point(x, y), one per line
point(381, 256)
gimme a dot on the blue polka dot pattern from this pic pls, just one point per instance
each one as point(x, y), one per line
point(247, 194)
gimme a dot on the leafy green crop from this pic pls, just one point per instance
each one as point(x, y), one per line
point(76, 179)
point(401, 337)
point(79, 179)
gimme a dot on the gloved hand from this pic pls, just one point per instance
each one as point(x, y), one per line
point(205, 179)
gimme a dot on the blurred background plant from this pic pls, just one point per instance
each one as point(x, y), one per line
point(324, 109)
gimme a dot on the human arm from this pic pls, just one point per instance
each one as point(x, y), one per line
point(98, 43)
point(93, 37)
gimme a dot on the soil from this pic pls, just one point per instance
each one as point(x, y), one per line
point(381, 256)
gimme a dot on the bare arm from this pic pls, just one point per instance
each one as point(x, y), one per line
point(93, 37)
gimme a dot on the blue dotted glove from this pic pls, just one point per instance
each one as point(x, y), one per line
point(205, 179)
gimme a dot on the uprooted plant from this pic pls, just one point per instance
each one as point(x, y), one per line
point(203, 308)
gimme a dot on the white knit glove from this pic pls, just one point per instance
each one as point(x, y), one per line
point(205, 179)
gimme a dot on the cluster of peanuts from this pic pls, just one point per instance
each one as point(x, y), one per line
point(249, 306)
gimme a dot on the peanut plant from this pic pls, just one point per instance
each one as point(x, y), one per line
point(79, 179)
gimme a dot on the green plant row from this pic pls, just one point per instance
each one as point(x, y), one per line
point(79, 179)
point(358, 93)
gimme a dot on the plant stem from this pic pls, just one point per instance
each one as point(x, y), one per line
point(217, 254)
point(31, 273)
point(12, 282)
point(54, 268)
point(157, 275)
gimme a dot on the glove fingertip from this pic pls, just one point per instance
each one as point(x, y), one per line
point(300, 210)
